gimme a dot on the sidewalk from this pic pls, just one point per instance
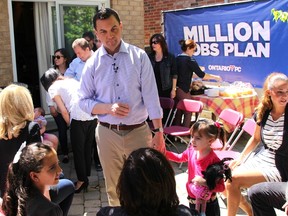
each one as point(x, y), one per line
point(88, 204)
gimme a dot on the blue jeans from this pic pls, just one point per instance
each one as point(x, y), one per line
point(62, 194)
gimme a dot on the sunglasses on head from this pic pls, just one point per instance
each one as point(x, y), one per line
point(155, 42)
point(57, 57)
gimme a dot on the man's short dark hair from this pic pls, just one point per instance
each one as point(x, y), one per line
point(88, 34)
point(105, 13)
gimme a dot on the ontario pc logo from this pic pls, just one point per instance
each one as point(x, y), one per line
point(225, 68)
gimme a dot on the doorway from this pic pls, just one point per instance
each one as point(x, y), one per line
point(25, 48)
point(42, 27)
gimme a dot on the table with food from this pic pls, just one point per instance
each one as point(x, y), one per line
point(238, 96)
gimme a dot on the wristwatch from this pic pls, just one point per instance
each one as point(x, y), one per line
point(158, 130)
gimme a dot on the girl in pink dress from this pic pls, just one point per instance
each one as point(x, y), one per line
point(199, 156)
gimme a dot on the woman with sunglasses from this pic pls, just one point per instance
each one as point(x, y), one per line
point(164, 66)
point(61, 60)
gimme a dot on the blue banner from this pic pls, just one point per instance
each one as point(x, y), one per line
point(239, 42)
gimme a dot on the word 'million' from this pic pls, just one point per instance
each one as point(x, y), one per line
point(229, 33)
point(240, 40)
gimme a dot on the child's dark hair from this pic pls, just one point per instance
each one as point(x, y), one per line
point(209, 128)
point(19, 185)
point(146, 185)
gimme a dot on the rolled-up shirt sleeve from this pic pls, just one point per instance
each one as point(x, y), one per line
point(87, 91)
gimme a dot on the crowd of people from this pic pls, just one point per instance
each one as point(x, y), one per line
point(104, 97)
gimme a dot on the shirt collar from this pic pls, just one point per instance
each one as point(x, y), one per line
point(123, 48)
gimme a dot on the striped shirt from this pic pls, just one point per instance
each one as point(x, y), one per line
point(264, 161)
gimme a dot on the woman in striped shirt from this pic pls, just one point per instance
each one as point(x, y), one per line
point(270, 164)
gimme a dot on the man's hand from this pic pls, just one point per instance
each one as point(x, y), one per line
point(119, 110)
point(158, 142)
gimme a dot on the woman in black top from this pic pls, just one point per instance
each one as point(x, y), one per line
point(164, 66)
point(147, 186)
point(186, 66)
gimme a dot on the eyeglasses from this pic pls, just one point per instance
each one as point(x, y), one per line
point(155, 42)
point(57, 56)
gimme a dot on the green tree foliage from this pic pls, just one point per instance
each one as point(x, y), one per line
point(279, 15)
point(77, 20)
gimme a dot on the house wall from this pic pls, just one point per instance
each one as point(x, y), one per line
point(6, 72)
point(153, 16)
point(131, 13)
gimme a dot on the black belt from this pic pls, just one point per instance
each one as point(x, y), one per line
point(121, 127)
point(193, 200)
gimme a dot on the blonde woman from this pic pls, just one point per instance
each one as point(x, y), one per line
point(16, 125)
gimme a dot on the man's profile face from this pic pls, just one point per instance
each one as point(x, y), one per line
point(109, 33)
point(82, 54)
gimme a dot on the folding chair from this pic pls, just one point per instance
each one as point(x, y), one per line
point(187, 105)
point(249, 127)
point(166, 104)
point(232, 118)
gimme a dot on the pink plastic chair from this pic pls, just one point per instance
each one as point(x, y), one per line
point(249, 127)
point(232, 118)
point(180, 131)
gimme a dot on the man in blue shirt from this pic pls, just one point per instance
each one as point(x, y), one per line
point(118, 85)
point(83, 51)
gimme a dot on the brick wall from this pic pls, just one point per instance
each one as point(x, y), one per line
point(153, 8)
point(131, 13)
point(6, 74)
